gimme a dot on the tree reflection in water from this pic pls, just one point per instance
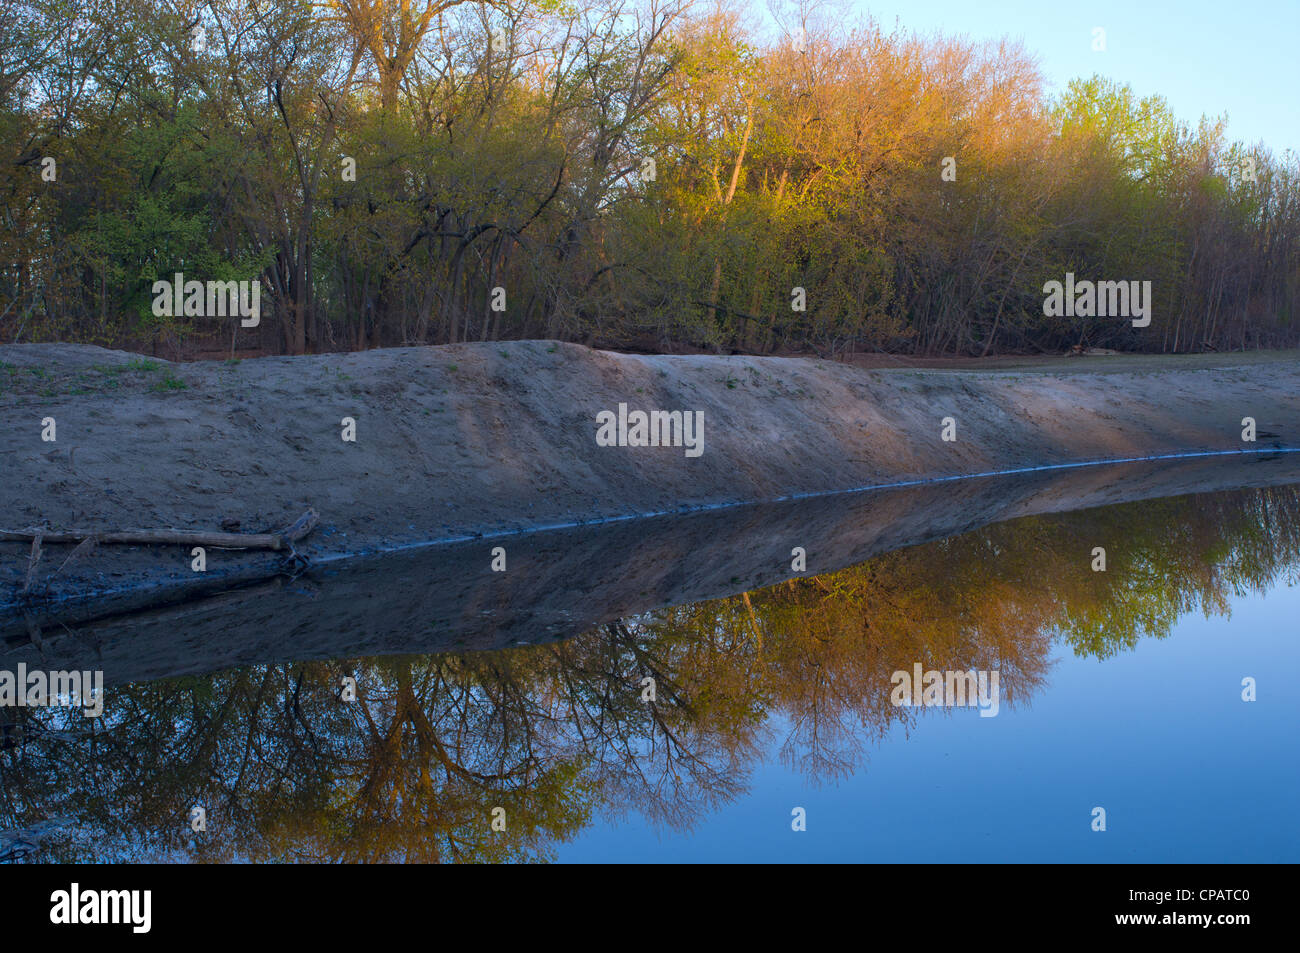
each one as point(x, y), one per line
point(558, 734)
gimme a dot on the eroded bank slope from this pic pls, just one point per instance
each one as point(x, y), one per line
point(468, 439)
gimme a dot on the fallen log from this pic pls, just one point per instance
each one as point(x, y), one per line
point(168, 537)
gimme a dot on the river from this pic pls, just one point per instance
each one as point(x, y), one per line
point(603, 721)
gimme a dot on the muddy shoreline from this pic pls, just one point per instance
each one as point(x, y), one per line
point(468, 441)
point(560, 583)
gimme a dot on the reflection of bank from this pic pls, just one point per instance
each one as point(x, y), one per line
point(564, 581)
point(502, 754)
point(433, 598)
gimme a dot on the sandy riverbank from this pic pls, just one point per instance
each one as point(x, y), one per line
point(480, 439)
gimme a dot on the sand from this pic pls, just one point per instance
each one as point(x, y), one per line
point(468, 441)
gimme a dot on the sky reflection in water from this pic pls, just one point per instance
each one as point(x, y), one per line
point(1117, 691)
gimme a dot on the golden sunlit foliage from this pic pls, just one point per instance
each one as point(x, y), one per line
point(635, 173)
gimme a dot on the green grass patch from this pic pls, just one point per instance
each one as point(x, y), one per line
point(168, 382)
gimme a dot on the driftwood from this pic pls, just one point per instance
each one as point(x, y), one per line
point(167, 537)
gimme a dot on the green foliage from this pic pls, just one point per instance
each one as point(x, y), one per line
point(522, 169)
point(168, 382)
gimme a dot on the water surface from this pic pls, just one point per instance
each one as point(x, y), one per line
point(1119, 689)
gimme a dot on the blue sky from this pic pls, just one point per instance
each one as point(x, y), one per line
point(1204, 58)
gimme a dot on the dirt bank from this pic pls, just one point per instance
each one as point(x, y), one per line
point(476, 439)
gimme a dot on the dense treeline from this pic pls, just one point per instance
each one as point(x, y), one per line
point(629, 173)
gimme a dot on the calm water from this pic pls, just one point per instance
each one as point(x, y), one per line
point(1158, 736)
point(1119, 689)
